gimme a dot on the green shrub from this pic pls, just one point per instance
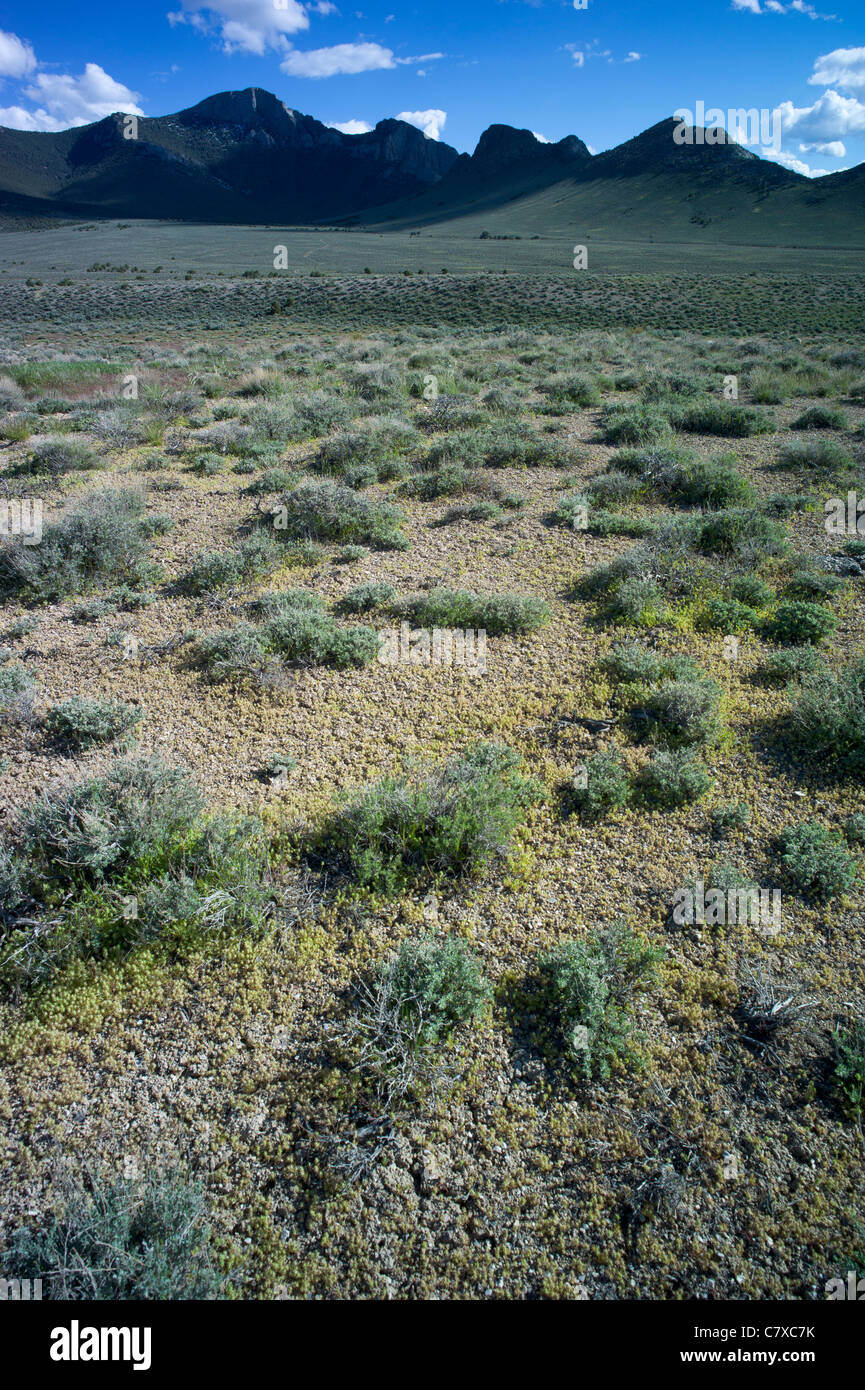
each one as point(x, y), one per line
point(638, 601)
point(214, 569)
point(738, 531)
point(751, 590)
point(633, 663)
point(683, 711)
point(828, 717)
point(101, 536)
point(571, 511)
point(131, 1239)
point(854, 829)
point(790, 664)
point(603, 523)
point(587, 986)
point(796, 623)
point(727, 615)
point(440, 984)
point(613, 488)
point(492, 613)
point(457, 820)
point(672, 778)
point(721, 418)
point(814, 584)
point(450, 480)
point(79, 723)
point(137, 830)
point(271, 480)
point(820, 417)
point(578, 390)
point(849, 1047)
point(736, 815)
point(298, 631)
point(607, 788)
point(366, 598)
point(814, 453)
point(331, 512)
point(677, 475)
point(817, 861)
point(635, 424)
point(61, 455)
point(17, 689)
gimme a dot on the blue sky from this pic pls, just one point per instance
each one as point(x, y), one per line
point(601, 70)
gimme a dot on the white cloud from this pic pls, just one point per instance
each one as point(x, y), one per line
point(844, 66)
point(350, 127)
point(430, 122)
point(341, 58)
point(16, 56)
point(70, 101)
point(836, 148)
point(633, 57)
point(775, 7)
point(798, 166)
point(421, 58)
point(543, 139)
point(16, 118)
point(245, 26)
point(830, 118)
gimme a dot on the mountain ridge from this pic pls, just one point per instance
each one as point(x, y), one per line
point(246, 157)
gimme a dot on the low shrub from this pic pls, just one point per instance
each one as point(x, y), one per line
point(636, 424)
point(796, 623)
point(828, 716)
point(606, 788)
point(825, 454)
point(214, 569)
point(455, 821)
point(79, 723)
point(683, 711)
point(820, 417)
point(817, 861)
point(130, 1239)
point(492, 613)
point(721, 418)
point(586, 990)
point(100, 536)
point(366, 598)
point(440, 983)
point(331, 512)
point(849, 1047)
point(673, 777)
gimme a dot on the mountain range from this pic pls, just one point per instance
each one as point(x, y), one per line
point(246, 157)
